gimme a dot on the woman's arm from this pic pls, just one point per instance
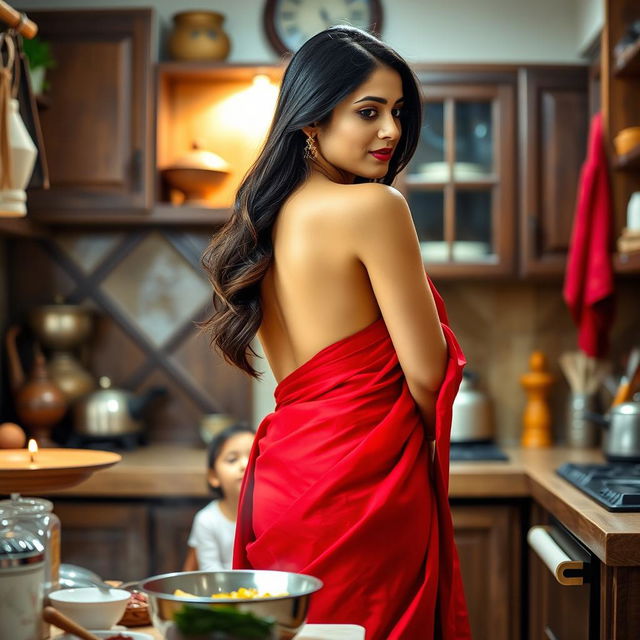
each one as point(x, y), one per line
point(385, 240)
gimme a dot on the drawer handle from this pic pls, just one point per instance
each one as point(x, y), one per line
point(565, 570)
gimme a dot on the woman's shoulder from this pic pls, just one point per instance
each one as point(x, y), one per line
point(351, 203)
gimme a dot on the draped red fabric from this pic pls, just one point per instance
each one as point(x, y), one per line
point(340, 486)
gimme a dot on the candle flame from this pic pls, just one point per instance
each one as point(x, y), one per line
point(33, 449)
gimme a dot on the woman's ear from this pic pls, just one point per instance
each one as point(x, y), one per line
point(311, 130)
point(212, 479)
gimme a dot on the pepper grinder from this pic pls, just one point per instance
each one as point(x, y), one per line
point(536, 419)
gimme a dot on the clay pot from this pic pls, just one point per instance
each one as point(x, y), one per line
point(198, 35)
point(40, 403)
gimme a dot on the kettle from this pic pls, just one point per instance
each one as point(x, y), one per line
point(112, 412)
point(621, 442)
point(472, 416)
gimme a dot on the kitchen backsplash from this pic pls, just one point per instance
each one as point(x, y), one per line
point(148, 290)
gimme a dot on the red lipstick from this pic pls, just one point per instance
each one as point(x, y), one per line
point(382, 154)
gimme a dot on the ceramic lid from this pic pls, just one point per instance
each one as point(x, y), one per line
point(199, 158)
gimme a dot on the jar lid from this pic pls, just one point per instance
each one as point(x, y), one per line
point(28, 506)
point(18, 546)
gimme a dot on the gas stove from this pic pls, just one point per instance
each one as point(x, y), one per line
point(616, 486)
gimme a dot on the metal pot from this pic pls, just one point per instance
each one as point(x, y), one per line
point(472, 417)
point(621, 442)
point(112, 412)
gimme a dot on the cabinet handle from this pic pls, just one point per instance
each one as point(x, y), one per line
point(566, 570)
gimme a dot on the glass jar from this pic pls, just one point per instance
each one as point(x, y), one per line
point(21, 579)
point(36, 515)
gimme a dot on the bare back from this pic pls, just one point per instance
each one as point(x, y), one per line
point(317, 291)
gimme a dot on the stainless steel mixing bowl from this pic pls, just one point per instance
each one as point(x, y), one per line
point(289, 612)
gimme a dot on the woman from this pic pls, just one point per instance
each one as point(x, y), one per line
point(348, 478)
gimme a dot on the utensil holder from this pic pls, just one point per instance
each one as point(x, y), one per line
point(582, 431)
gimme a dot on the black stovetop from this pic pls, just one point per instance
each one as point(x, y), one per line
point(616, 486)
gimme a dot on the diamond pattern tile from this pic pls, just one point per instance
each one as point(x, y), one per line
point(157, 289)
point(87, 249)
point(228, 387)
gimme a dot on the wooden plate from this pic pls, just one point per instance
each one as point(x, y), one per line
point(52, 468)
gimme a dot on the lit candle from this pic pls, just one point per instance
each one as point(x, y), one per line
point(33, 449)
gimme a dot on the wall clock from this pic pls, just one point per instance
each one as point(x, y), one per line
point(290, 23)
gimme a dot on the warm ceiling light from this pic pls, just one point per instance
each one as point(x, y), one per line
point(261, 80)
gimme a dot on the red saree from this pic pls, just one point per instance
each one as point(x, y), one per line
point(338, 486)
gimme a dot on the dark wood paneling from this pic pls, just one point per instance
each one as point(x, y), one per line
point(110, 539)
point(171, 527)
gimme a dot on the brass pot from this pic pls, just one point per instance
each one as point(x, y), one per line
point(198, 35)
point(61, 326)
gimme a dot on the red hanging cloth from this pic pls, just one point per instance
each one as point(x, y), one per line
point(589, 281)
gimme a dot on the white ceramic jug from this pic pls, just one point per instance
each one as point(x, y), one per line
point(23, 157)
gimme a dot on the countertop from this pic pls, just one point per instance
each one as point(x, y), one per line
point(308, 632)
point(175, 471)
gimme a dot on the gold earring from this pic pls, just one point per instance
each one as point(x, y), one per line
point(310, 150)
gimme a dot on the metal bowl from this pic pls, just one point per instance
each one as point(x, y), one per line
point(289, 612)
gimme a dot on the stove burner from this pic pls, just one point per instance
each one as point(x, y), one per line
point(615, 486)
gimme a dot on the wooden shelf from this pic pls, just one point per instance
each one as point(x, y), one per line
point(627, 263)
point(629, 161)
point(629, 63)
point(24, 227)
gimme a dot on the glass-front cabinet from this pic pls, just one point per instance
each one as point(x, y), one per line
point(460, 182)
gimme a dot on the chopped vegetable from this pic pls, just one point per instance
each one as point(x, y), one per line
point(245, 626)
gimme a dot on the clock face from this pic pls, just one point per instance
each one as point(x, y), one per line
point(290, 23)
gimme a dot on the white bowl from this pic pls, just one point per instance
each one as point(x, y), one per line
point(90, 607)
point(135, 635)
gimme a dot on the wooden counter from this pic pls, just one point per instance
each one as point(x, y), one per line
point(173, 471)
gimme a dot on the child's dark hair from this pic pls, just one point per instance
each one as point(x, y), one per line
point(218, 442)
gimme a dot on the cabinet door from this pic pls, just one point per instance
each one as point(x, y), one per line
point(554, 112)
point(96, 128)
point(460, 182)
point(556, 611)
point(488, 541)
point(171, 527)
point(108, 538)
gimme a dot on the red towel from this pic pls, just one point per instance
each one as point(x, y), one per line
point(338, 486)
point(589, 282)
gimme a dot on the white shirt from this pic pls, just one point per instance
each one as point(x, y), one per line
point(212, 536)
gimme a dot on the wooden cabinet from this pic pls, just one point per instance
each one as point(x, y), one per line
point(488, 537)
point(553, 119)
point(97, 127)
point(460, 184)
point(170, 532)
point(108, 538)
point(125, 540)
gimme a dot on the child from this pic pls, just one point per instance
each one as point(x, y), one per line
point(211, 539)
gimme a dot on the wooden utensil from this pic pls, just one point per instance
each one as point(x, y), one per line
point(629, 379)
point(54, 617)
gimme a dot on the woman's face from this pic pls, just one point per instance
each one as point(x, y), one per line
point(365, 122)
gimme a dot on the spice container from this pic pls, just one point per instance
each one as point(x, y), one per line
point(36, 515)
point(21, 580)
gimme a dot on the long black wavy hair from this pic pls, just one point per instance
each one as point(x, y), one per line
point(324, 71)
